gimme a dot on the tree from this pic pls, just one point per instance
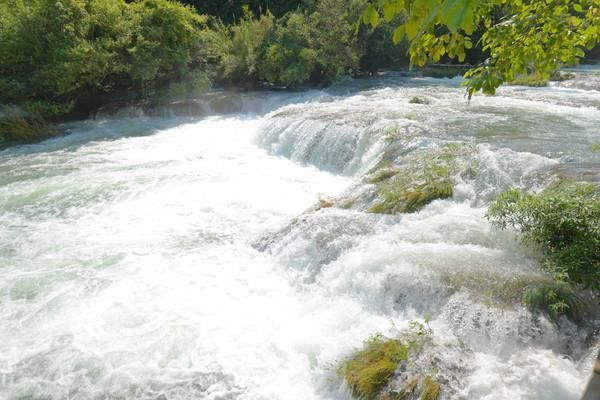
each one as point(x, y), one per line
point(57, 55)
point(314, 46)
point(518, 35)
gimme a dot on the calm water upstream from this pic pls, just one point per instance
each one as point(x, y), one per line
point(129, 264)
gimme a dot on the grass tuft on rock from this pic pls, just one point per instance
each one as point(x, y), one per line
point(431, 389)
point(410, 187)
point(369, 370)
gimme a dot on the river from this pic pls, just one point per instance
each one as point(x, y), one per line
point(183, 258)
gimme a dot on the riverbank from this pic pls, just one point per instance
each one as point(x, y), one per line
point(30, 129)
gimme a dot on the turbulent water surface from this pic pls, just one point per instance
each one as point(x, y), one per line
point(170, 258)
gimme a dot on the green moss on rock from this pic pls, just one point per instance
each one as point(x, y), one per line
point(18, 127)
point(382, 175)
point(444, 71)
point(531, 80)
point(424, 176)
point(369, 370)
point(410, 193)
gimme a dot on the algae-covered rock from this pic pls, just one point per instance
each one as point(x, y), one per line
point(386, 368)
point(531, 80)
point(370, 369)
point(16, 126)
point(422, 178)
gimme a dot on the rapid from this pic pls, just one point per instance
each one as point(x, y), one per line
point(164, 257)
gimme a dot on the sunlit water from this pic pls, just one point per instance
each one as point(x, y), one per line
point(163, 258)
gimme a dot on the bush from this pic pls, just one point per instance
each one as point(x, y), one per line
point(557, 299)
point(288, 56)
point(241, 47)
point(381, 52)
point(314, 46)
point(333, 25)
point(563, 222)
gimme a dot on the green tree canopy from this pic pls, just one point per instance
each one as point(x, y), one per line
point(518, 35)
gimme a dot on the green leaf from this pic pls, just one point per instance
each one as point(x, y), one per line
point(398, 34)
point(371, 16)
point(454, 13)
point(391, 9)
point(412, 28)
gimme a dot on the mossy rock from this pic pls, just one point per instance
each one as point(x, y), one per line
point(426, 177)
point(419, 100)
point(17, 127)
point(400, 197)
point(558, 76)
point(371, 368)
point(445, 71)
point(382, 175)
point(531, 80)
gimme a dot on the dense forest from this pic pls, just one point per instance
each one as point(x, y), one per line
point(60, 58)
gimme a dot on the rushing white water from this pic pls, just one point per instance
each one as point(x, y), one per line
point(162, 258)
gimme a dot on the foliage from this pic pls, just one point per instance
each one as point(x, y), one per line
point(332, 23)
point(381, 51)
point(518, 35)
point(56, 54)
point(563, 222)
point(314, 46)
point(231, 10)
point(241, 47)
point(556, 299)
point(288, 55)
